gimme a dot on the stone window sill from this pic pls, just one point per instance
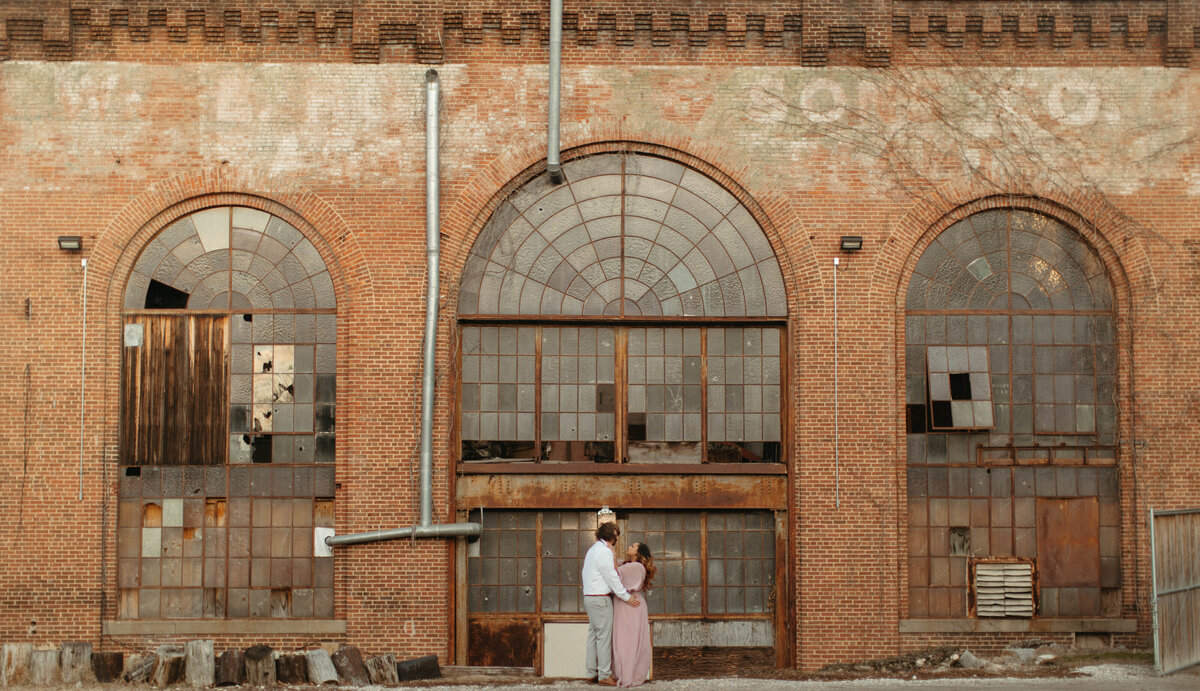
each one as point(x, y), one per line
point(1018, 625)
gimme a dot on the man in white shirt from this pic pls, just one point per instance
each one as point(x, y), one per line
point(600, 581)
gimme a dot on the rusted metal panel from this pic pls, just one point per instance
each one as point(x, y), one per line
point(174, 391)
point(502, 642)
point(1068, 538)
point(628, 492)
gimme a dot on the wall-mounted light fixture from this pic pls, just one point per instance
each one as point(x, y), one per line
point(851, 243)
point(70, 243)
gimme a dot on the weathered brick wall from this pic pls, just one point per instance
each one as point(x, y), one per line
point(115, 118)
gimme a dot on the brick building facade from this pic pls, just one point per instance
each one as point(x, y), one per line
point(829, 458)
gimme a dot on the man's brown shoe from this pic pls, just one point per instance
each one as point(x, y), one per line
point(611, 681)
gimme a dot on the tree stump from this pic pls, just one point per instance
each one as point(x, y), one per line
point(171, 662)
point(382, 670)
point(231, 668)
point(107, 666)
point(138, 668)
point(44, 667)
point(199, 668)
point(14, 663)
point(291, 669)
point(260, 665)
point(75, 659)
point(320, 667)
point(349, 663)
point(419, 668)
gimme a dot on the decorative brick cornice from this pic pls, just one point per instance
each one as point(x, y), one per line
point(810, 32)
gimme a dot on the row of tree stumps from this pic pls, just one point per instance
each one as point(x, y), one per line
point(195, 664)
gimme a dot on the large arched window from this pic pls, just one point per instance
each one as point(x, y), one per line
point(227, 428)
point(1012, 421)
point(632, 314)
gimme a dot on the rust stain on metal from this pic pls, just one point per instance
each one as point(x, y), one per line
point(173, 392)
point(640, 492)
point(1068, 536)
point(503, 642)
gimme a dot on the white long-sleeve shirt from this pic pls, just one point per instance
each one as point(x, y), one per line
point(600, 575)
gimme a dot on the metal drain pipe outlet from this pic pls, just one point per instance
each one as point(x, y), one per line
point(553, 166)
point(429, 347)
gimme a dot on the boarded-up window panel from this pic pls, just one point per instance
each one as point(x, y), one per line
point(174, 391)
point(1068, 542)
point(502, 642)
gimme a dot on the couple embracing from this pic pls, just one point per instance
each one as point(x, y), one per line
point(618, 640)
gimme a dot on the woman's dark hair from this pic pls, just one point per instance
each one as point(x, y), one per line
point(644, 558)
point(607, 532)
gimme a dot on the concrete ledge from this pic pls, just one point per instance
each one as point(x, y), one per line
point(224, 627)
point(1018, 625)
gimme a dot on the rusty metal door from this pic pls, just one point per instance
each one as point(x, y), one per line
point(1068, 540)
point(1175, 602)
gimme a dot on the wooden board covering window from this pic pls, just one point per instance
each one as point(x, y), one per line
point(174, 391)
point(1068, 539)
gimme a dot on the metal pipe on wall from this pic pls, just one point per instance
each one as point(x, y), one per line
point(433, 223)
point(553, 166)
point(433, 231)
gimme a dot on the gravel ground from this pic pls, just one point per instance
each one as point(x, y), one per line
point(1108, 677)
point(1105, 677)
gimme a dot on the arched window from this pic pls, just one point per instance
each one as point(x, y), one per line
point(632, 314)
point(227, 428)
point(1011, 366)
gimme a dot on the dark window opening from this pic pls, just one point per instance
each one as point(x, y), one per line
point(637, 427)
point(582, 451)
point(474, 450)
point(917, 418)
point(744, 452)
point(160, 296)
point(260, 448)
point(960, 386)
point(941, 414)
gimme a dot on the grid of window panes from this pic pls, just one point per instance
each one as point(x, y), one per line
point(740, 560)
point(224, 542)
point(744, 389)
point(499, 389)
point(578, 385)
point(283, 387)
point(501, 575)
point(959, 387)
point(573, 371)
point(566, 538)
point(624, 235)
point(664, 373)
point(235, 539)
point(674, 540)
point(1030, 291)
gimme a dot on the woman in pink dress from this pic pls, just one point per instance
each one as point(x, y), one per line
point(631, 625)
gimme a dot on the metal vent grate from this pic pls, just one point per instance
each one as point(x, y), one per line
point(1003, 589)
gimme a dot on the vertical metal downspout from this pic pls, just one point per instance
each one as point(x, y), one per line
point(426, 529)
point(433, 223)
point(553, 166)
